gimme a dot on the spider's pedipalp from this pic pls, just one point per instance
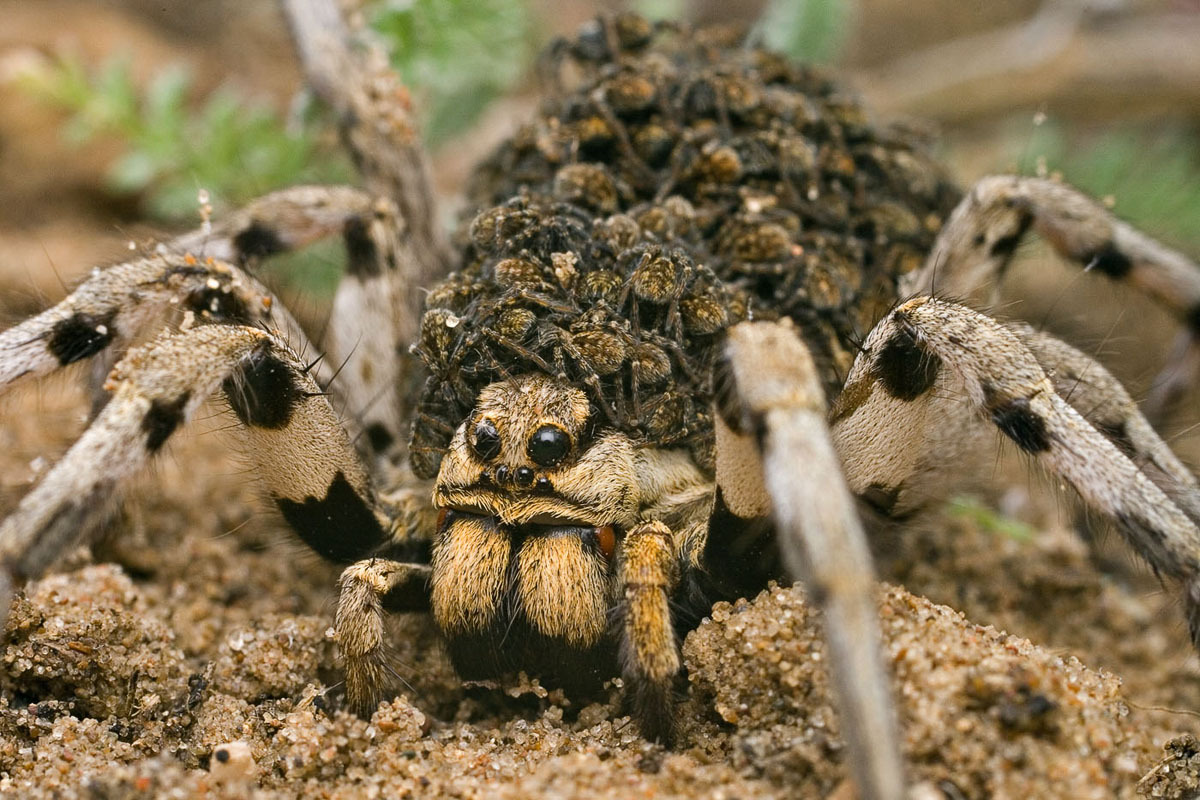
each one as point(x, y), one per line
point(647, 574)
point(775, 457)
point(979, 239)
point(985, 372)
point(291, 433)
point(365, 591)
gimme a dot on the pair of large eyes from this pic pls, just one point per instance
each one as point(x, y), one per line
point(547, 446)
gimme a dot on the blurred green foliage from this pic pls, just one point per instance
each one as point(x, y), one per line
point(660, 9)
point(808, 30)
point(1151, 173)
point(231, 146)
point(455, 55)
point(988, 519)
point(814, 31)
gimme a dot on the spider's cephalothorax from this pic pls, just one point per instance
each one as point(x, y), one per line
point(625, 379)
point(534, 503)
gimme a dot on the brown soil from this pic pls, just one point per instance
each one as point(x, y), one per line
point(209, 634)
point(189, 655)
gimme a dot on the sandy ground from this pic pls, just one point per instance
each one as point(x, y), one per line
point(195, 660)
point(188, 655)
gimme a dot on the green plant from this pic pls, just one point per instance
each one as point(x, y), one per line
point(455, 55)
point(807, 30)
point(233, 147)
point(989, 519)
point(1152, 174)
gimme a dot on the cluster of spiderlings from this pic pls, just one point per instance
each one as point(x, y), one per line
point(674, 184)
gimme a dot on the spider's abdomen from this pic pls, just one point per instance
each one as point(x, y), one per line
point(678, 185)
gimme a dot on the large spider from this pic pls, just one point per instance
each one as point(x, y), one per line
point(622, 386)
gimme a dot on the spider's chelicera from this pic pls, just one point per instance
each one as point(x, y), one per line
point(615, 394)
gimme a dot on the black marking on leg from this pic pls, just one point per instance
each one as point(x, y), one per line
point(1192, 318)
point(379, 437)
point(650, 703)
point(1005, 246)
point(218, 303)
point(904, 368)
point(1108, 260)
point(728, 400)
point(258, 241)
point(339, 526)
point(264, 392)
point(162, 419)
point(881, 498)
point(653, 706)
point(80, 336)
point(362, 255)
point(740, 555)
point(1118, 433)
point(1014, 417)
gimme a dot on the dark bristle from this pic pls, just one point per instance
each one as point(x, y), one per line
point(362, 257)
point(1019, 422)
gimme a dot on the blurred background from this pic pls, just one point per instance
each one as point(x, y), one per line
point(115, 113)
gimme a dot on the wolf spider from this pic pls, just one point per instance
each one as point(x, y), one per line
point(615, 426)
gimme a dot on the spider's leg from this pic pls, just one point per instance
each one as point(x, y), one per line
point(200, 272)
point(377, 314)
point(370, 327)
point(377, 124)
point(372, 317)
point(902, 387)
point(112, 307)
point(775, 459)
point(978, 240)
point(647, 575)
point(367, 589)
point(279, 222)
point(1104, 402)
point(292, 435)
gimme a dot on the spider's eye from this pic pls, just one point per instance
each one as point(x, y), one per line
point(487, 440)
point(549, 445)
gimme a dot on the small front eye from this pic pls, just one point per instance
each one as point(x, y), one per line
point(549, 445)
point(487, 440)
